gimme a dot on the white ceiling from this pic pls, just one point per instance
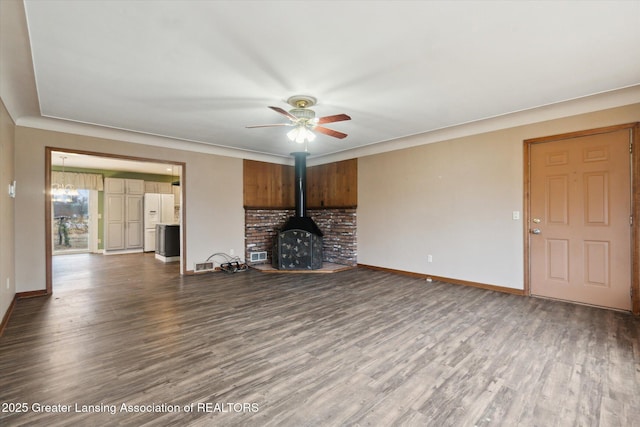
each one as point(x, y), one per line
point(203, 70)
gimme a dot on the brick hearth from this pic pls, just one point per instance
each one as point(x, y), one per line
point(338, 225)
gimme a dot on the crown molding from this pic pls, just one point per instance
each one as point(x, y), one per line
point(84, 129)
point(602, 101)
point(588, 104)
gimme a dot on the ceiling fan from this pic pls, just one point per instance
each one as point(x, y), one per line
point(304, 120)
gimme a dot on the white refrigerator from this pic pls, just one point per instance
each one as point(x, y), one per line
point(158, 209)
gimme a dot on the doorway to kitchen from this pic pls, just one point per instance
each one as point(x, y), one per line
point(74, 219)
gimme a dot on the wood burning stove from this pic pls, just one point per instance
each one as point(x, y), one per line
point(298, 245)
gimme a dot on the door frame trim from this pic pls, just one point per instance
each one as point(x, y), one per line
point(47, 204)
point(634, 128)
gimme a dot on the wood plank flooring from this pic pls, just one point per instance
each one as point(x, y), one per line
point(358, 347)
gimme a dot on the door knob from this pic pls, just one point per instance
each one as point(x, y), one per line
point(535, 231)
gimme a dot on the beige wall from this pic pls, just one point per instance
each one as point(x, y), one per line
point(7, 271)
point(454, 200)
point(213, 187)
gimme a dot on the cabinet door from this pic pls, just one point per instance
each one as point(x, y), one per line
point(134, 235)
point(114, 185)
point(164, 188)
point(114, 234)
point(134, 222)
point(150, 187)
point(135, 186)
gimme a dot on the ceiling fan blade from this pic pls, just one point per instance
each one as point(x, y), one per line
point(331, 119)
point(271, 125)
point(284, 113)
point(330, 132)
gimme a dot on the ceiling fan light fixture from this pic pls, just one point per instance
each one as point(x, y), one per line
point(301, 134)
point(310, 135)
point(304, 120)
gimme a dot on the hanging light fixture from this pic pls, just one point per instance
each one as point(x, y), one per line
point(305, 119)
point(63, 192)
point(301, 134)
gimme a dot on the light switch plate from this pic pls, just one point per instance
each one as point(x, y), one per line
point(12, 190)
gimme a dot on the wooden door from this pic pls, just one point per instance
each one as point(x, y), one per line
point(579, 219)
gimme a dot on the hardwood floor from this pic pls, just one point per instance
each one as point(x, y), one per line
point(358, 347)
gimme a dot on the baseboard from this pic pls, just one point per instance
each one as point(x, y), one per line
point(7, 315)
point(198, 273)
point(122, 252)
point(32, 294)
point(16, 297)
point(448, 280)
point(166, 259)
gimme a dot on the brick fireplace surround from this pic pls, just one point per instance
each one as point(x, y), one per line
point(338, 225)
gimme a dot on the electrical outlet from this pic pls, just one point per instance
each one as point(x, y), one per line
point(231, 252)
point(8, 283)
point(429, 258)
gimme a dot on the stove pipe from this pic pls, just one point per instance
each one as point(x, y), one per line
point(301, 183)
point(300, 221)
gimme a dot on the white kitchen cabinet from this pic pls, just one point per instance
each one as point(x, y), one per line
point(134, 186)
point(157, 187)
point(114, 209)
point(165, 188)
point(114, 186)
point(134, 225)
point(123, 213)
